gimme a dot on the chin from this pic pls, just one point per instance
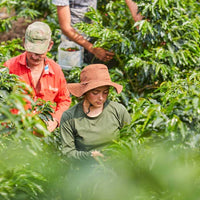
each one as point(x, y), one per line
point(98, 105)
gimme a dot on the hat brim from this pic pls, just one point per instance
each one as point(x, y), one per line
point(78, 89)
point(39, 48)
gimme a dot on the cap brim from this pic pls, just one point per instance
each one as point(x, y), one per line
point(38, 48)
point(78, 89)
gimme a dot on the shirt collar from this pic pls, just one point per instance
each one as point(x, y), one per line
point(47, 69)
point(22, 60)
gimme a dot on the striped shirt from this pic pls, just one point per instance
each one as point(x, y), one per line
point(78, 8)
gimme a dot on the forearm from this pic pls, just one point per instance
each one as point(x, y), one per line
point(68, 143)
point(61, 107)
point(134, 10)
point(78, 155)
point(73, 35)
point(64, 18)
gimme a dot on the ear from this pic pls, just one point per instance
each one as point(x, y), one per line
point(50, 45)
point(23, 41)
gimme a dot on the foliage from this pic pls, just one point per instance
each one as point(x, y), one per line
point(151, 171)
point(171, 114)
point(10, 49)
point(25, 181)
point(15, 118)
point(43, 109)
point(25, 9)
point(132, 172)
point(23, 175)
point(157, 156)
point(154, 49)
point(29, 10)
point(28, 166)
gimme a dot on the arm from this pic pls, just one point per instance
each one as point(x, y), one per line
point(62, 99)
point(64, 18)
point(63, 102)
point(134, 10)
point(68, 139)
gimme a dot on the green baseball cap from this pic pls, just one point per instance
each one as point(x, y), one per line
point(37, 37)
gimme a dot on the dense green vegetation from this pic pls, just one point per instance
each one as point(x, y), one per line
point(157, 60)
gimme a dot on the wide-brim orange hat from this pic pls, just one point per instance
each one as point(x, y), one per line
point(91, 77)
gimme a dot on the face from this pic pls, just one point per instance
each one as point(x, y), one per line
point(35, 59)
point(97, 96)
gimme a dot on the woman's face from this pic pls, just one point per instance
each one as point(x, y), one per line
point(97, 96)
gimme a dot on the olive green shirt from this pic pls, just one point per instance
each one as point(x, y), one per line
point(80, 133)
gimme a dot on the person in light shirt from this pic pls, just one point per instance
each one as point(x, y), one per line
point(71, 12)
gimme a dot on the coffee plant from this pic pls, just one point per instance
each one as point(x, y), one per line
point(157, 60)
point(158, 48)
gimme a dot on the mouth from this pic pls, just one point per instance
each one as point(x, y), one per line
point(35, 60)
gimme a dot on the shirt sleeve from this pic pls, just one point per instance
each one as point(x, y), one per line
point(61, 2)
point(62, 99)
point(67, 132)
point(8, 64)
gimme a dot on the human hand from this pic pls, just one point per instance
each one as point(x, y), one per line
point(102, 54)
point(96, 154)
point(52, 125)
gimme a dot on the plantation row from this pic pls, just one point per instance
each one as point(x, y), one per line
point(157, 60)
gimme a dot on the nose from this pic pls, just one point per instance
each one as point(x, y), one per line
point(100, 96)
point(35, 56)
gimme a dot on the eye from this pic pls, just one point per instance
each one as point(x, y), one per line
point(106, 91)
point(95, 92)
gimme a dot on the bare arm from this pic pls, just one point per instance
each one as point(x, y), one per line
point(134, 10)
point(64, 18)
